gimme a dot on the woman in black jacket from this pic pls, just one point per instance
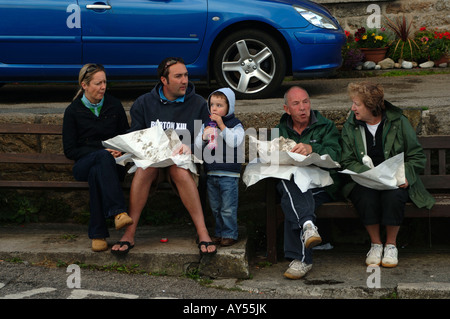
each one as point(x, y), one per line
point(91, 118)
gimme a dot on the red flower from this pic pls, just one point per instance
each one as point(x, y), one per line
point(423, 29)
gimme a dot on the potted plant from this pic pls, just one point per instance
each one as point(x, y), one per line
point(373, 43)
point(424, 39)
point(351, 54)
point(433, 45)
point(441, 43)
point(404, 46)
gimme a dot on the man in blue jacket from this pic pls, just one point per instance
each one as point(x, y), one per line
point(174, 103)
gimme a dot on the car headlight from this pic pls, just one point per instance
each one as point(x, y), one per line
point(315, 18)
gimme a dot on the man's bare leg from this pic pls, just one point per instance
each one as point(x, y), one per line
point(140, 189)
point(187, 189)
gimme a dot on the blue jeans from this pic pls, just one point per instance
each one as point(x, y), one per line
point(298, 207)
point(106, 198)
point(223, 192)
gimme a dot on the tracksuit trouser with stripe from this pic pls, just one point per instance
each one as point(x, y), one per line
point(298, 207)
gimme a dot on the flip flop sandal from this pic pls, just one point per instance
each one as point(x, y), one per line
point(122, 252)
point(206, 244)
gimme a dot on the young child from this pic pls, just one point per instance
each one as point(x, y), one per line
point(223, 163)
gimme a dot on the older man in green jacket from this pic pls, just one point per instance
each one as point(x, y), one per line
point(313, 133)
point(378, 129)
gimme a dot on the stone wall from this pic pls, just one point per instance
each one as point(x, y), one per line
point(353, 14)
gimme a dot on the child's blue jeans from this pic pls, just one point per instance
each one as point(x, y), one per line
point(223, 192)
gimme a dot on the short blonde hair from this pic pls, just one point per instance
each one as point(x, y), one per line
point(86, 74)
point(371, 94)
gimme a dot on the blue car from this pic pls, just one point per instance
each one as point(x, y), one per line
point(247, 45)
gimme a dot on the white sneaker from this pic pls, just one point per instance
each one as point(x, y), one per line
point(311, 237)
point(374, 254)
point(297, 269)
point(390, 257)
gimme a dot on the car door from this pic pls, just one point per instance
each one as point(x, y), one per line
point(133, 36)
point(36, 33)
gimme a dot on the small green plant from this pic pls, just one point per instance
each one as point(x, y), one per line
point(128, 269)
point(25, 211)
point(61, 264)
point(15, 260)
point(20, 208)
point(404, 46)
point(392, 295)
point(263, 264)
point(69, 237)
point(193, 273)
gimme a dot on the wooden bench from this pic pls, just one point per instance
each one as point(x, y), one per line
point(435, 178)
point(34, 158)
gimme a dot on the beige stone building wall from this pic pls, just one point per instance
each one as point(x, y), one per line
point(353, 14)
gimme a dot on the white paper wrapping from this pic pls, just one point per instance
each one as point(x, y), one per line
point(387, 175)
point(151, 147)
point(306, 177)
point(276, 152)
point(276, 161)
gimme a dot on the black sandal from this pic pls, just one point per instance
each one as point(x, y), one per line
point(206, 244)
point(122, 252)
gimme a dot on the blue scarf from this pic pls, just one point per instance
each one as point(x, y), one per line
point(163, 98)
point(95, 108)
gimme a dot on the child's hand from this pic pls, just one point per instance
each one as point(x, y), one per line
point(218, 119)
point(207, 132)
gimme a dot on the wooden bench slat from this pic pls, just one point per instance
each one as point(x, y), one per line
point(42, 184)
point(26, 128)
point(34, 158)
point(56, 184)
point(346, 210)
point(436, 182)
point(434, 141)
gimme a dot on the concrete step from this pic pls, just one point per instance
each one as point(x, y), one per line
point(69, 243)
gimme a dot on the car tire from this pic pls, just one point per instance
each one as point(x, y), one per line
point(251, 63)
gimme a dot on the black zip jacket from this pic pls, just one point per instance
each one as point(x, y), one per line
point(83, 132)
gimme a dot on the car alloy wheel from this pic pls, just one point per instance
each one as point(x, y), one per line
point(251, 63)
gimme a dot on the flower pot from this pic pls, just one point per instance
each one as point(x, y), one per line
point(442, 59)
point(374, 54)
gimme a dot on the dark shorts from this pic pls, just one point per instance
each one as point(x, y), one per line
point(386, 207)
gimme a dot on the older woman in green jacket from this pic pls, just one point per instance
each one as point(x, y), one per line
point(378, 129)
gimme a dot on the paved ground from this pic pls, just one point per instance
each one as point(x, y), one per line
point(339, 273)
